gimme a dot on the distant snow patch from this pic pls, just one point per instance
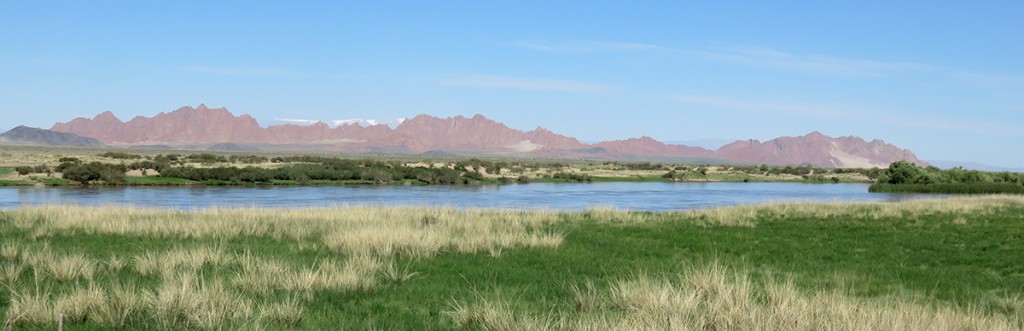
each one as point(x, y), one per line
point(359, 121)
point(847, 160)
point(297, 121)
point(336, 123)
point(524, 146)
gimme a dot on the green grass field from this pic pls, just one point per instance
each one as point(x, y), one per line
point(926, 265)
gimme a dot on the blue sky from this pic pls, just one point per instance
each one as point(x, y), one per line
point(945, 81)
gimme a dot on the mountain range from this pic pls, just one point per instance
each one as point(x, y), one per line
point(201, 127)
point(35, 136)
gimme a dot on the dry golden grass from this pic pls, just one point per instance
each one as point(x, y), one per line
point(382, 231)
point(125, 304)
point(713, 298)
point(114, 306)
point(10, 272)
point(186, 301)
point(61, 267)
point(862, 210)
point(182, 299)
point(178, 260)
point(10, 252)
point(750, 215)
point(396, 274)
point(424, 232)
point(182, 302)
point(264, 276)
point(31, 307)
point(115, 263)
point(82, 304)
point(286, 314)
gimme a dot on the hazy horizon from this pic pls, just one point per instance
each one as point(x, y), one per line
point(944, 82)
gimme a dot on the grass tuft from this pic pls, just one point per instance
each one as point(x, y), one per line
point(10, 252)
point(397, 275)
point(284, 314)
point(125, 306)
point(82, 304)
point(10, 272)
point(185, 301)
point(32, 308)
point(188, 260)
point(62, 267)
point(495, 315)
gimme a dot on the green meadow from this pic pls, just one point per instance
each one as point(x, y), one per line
point(934, 264)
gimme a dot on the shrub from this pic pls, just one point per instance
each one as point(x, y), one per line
point(23, 170)
point(474, 175)
point(904, 176)
point(85, 173)
point(119, 155)
point(572, 177)
point(81, 173)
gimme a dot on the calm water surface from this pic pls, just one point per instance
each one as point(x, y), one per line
point(562, 196)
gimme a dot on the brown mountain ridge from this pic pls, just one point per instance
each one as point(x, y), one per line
point(201, 126)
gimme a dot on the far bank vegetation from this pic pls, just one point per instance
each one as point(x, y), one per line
point(906, 177)
point(219, 168)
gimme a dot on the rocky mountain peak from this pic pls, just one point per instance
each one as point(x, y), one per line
point(107, 116)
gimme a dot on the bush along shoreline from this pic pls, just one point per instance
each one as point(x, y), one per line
point(906, 177)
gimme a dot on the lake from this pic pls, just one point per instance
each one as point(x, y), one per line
point(560, 196)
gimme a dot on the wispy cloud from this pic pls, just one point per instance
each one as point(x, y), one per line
point(587, 46)
point(522, 83)
point(770, 58)
point(986, 79)
point(839, 66)
point(741, 54)
point(811, 63)
point(242, 72)
point(788, 108)
point(858, 113)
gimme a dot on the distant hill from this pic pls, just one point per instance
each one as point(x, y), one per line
point(438, 154)
point(23, 135)
point(232, 147)
point(819, 150)
point(711, 144)
point(972, 166)
point(477, 135)
point(150, 147)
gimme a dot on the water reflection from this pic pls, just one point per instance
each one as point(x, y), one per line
point(636, 196)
